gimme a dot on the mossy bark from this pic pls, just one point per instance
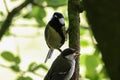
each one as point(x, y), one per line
point(74, 9)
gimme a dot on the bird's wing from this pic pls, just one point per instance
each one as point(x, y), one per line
point(64, 32)
point(46, 34)
point(59, 76)
point(49, 54)
point(59, 69)
point(52, 37)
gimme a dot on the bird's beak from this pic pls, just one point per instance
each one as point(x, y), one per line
point(76, 54)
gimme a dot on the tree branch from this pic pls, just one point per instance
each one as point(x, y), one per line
point(4, 66)
point(74, 30)
point(6, 7)
point(21, 72)
point(10, 16)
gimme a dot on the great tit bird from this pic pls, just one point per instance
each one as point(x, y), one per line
point(55, 33)
point(63, 67)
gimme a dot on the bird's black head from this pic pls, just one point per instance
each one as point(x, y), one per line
point(57, 15)
point(57, 20)
point(68, 51)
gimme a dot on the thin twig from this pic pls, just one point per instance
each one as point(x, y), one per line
point(34, 73)
point(37, 74)
point(6, 7)
point(4, 66)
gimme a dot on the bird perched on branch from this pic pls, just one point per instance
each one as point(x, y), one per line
point(64, 65)
point(55, 33)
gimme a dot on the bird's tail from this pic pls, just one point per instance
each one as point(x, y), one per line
point(49, 54)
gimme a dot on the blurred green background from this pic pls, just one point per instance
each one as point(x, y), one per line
point(23, 48)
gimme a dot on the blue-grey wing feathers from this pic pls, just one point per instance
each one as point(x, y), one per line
point(49, 54)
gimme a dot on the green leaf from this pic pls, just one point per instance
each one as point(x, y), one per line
point(42, 66)
point(21, 78)
point(33, 67)
point(82, 59)
point(28, 15)
point(82, 31)
point(28, 78)
point(40, 1)
point(1, 13)
point(41, 22)
point(103, 74)
point(37, 13)
point(17, 60)
point(91, 64)
point(56, 3)
point(15, 68)
point(84, 43)
point(24, 78)
point(8, 56)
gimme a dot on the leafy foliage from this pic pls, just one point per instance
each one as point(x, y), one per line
point(17, 59)
point(24, 78)
point(33, 67)
point(1, 13)
point(15, 68)
point(84, 43)
point(92, 62)
point(37, 13)
point(8, 56)
point(56, 3)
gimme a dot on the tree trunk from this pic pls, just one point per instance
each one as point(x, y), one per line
point(74, 8)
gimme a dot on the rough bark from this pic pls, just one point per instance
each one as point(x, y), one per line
point(74, 8)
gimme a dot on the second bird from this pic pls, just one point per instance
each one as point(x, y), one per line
point(63, 66)
point(55, 33)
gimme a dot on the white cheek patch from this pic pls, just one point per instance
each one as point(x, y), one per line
point(70, 57)
point(61, 20)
